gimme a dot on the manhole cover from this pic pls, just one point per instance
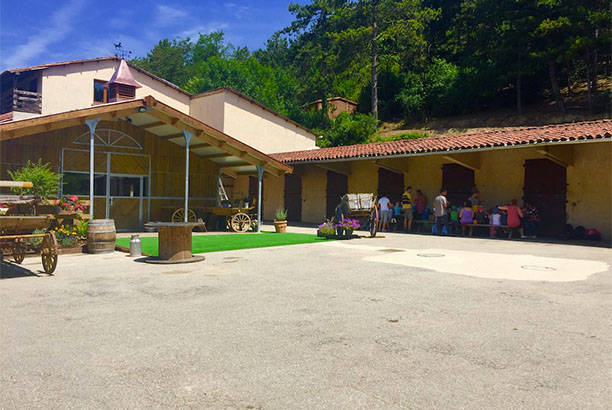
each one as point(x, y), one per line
point(430, 255)
point(390, 250)
point(536, 267)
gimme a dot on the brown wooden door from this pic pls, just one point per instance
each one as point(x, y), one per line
point(459, 181)
point(391, 184)
point(545, 186)
point(293, 197)
point(337, 186)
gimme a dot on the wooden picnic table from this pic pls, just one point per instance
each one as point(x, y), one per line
point(174, 243)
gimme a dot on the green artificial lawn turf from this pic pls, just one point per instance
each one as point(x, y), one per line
point(216, 243)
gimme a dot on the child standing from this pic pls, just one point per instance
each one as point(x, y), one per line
point(466, 216)
point(397, 214)
point(530, 220)
point(454, 219)
point(495, 221)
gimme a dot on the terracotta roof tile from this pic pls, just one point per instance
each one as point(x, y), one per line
point(600, 129)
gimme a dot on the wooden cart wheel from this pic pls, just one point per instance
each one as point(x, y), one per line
point(48, 253)
point(179, 215)
point(19, 251)
point(241, 222)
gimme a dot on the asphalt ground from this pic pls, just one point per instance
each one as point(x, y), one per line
point(339, 325)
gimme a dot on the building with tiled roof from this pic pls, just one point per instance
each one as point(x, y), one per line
point(565, 169)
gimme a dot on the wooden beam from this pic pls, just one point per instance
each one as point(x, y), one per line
point(234, 164)
point(201, 145)
point(343, 168)
point(469, 160)
point(171, 136)
point(217, 155)
point(398, 168)
point(229, 173)
point(560, 155)
point(153, 124)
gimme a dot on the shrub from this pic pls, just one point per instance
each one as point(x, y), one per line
point(402, 136)
point(81, 230)
point(41, 175)
point(348, 129)
point(36, 242)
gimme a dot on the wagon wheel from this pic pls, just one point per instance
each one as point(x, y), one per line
point(241, 222)
point(48, 253)
point(179, 215)
point(19, 251)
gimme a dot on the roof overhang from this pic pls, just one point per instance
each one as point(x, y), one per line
point(232, 156)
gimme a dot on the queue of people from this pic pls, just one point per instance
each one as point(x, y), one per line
point(448, 219)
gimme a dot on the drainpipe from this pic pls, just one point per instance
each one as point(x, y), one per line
point(260, 171)
point(92, 124)
point(187, 135)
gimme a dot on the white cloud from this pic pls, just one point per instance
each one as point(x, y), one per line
point(237, 10)
point(168, 16)
point(59, 25)
point(193, 32)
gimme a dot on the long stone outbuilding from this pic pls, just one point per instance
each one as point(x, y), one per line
point(565, 169)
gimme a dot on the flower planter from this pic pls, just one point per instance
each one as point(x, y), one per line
point(280, 226)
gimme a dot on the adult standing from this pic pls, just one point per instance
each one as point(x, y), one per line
point(440, 208)
point(385, 212)
point(407, 208)
point(420, 202)
point(474, 199)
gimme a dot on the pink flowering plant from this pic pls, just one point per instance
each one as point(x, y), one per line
point(70, 204)
point(350, 224)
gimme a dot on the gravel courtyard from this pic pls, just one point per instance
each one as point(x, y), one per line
point(385, 323)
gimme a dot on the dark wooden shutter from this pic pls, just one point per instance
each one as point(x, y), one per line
point(545, 186)
point(459, 181)
point(391, 184)
point(293, 197)
point(337, 186)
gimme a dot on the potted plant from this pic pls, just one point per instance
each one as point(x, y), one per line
point(327, 229)
point(280, 220)
point(70, 204)
point(349, 226)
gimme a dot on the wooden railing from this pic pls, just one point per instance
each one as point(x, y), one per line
point(23, 101)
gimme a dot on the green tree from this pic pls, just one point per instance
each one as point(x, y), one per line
point(44, 180)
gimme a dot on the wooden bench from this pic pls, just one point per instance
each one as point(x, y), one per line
point(511, 228)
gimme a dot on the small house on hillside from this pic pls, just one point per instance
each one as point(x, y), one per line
point(335, 106)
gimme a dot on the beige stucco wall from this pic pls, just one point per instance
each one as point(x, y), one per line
point(261, 129)
point(273, 192)
point(500, 178)
point(209, 109)
point(589, 191)
point(70, 87)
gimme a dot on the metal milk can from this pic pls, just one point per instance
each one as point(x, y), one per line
point(135, 246)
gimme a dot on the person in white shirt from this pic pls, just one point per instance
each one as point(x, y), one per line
point(440, 208)
point(385, 212)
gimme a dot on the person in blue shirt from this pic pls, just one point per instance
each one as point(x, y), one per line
point(397, 213)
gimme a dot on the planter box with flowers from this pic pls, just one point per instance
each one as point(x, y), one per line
point(342, 230)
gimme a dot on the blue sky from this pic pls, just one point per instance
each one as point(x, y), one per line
point(44, 31)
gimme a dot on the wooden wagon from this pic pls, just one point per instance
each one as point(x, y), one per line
point(363, 207)
point(16, 231)
point(239, 219)
point(17, 239)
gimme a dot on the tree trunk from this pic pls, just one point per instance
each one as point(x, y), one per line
point(519, 102)
point(588, 83)
point(569, 80)
point(594, 69)
point(374, 81)
point(555, 85)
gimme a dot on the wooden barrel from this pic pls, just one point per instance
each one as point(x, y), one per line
point(101, 236)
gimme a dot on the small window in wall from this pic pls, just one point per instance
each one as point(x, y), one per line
point(100, 96)
point(76, 183)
